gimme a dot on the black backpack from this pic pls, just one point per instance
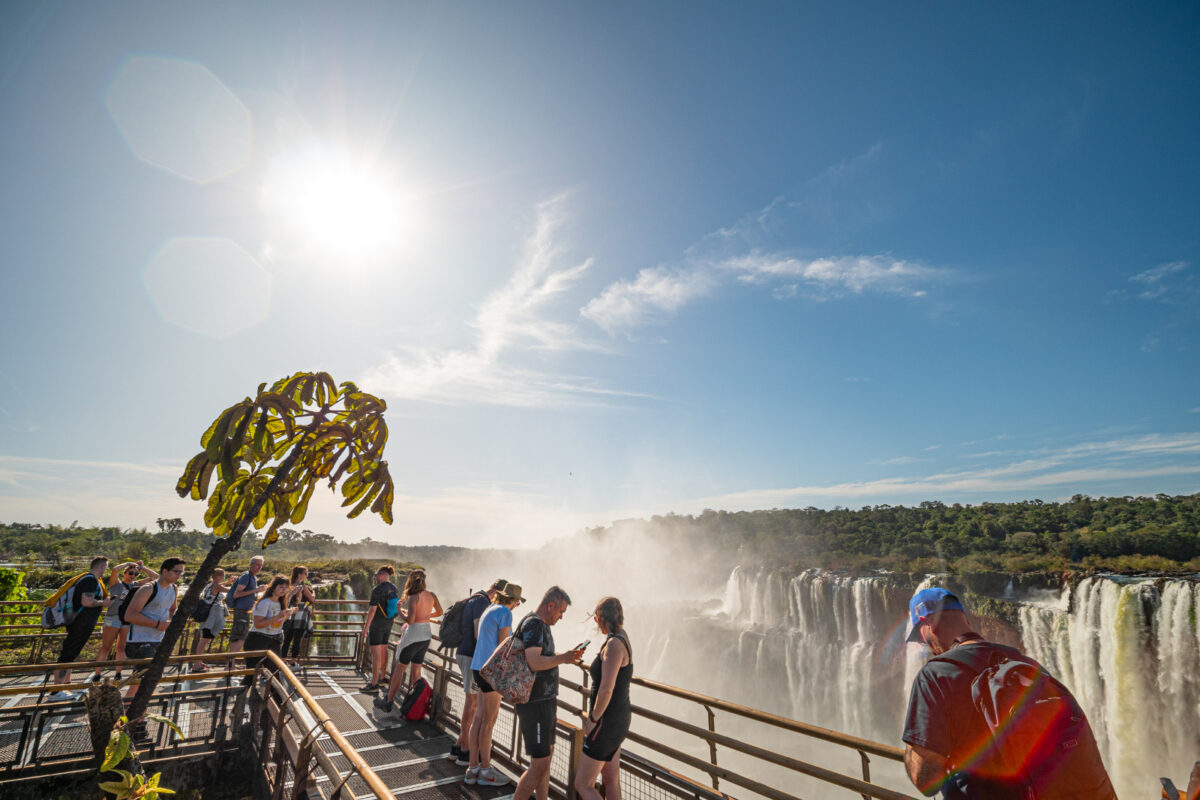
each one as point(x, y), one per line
point(121, 609)
point(451, 629)
point(1042, 745)
point(203, 607)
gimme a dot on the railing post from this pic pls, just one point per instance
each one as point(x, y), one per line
point(866, 766)
point(573, 765)
point(441, 697)
point(304, 757)
point(712, 746)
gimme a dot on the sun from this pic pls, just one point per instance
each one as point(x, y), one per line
point(334, 203)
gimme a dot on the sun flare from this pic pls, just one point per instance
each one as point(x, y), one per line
point(334, 203)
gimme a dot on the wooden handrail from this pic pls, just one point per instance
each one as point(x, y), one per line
point(853, 742)
point(360, 767)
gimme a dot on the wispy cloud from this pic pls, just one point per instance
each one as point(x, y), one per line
point(1077, 468)
point(513, 321)
point(838, 275)
point(656, 291)
point(1157, 282)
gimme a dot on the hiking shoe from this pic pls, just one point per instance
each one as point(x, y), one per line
point(384, 705)
point(490, 777)
point(472, 775)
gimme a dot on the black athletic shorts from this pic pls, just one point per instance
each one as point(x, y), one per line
point(205, 633)
point(538, 721)
point(379, 632)
point(141, 649)
point(482, 685)
point(413, 654)
point(606, 738)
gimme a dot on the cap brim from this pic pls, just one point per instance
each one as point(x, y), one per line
point(915, 635)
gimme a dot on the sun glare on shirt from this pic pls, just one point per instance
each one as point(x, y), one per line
point(335, 204)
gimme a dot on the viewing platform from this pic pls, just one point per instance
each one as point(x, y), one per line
point(312, 733)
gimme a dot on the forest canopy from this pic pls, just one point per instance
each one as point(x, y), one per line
point(1125, 534)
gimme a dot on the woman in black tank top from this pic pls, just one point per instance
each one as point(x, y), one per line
point(609, 711)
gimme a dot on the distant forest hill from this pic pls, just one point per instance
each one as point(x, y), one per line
point(31, 542)
point(1122, 534)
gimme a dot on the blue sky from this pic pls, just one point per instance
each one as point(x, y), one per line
point(605, 261)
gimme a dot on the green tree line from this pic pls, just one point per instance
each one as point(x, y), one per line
point(1160, 533)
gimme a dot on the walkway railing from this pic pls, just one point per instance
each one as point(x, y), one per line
point(288, 721)
point(293, 738)
point(646, 778)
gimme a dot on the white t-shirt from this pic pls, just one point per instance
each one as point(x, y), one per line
point(269, 608)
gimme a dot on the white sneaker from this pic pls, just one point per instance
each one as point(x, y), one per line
point(490, 777)
point(472, 775)
point(59, 696)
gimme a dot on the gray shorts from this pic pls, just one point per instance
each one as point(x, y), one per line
point(464, 666)
point(241, 626)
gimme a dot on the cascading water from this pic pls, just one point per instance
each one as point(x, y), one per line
point(827, 649)
point(1130, 653)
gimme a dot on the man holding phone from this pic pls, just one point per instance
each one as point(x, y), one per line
point(538, 717)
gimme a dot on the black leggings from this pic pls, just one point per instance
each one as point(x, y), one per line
point(260, 641)
point(291, 638)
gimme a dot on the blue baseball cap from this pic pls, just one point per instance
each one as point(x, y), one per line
point(926, 602)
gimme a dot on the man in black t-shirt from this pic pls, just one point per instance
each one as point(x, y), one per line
point(537, 717)
point(377, 626)
point(89, 598)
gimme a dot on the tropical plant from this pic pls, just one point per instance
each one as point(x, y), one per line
point(268, 454)
point(133, 785)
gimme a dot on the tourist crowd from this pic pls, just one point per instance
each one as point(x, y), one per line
point(965, 734)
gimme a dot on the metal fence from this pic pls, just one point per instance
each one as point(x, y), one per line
point(302, 752)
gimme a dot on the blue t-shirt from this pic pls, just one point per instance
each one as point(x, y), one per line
point(246, 602)
point(476, 605)
point(495, 618)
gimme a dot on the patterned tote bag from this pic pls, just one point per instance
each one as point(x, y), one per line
point(508, 672)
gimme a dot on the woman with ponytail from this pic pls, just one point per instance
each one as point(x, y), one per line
point(609, 710)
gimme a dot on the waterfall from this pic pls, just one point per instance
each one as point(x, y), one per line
point(1130, 653)
point(828, 649)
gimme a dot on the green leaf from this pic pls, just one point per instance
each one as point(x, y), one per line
point(216, 441)
point(167, 722)
point(115, 752)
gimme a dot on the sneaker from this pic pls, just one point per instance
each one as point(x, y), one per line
point(384, 705)
point(58, 697)
point(490, 777)
point(455, 750)
point(95, 678)
point(463, 759)
point(472, 775)
point(370, 688)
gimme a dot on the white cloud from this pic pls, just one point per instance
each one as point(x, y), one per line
point(514, 320)
point(655, 291)
point(1157, 279)
point(839, 274)
point(1072, 468)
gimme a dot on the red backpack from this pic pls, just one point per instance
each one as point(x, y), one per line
point(416, 702)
